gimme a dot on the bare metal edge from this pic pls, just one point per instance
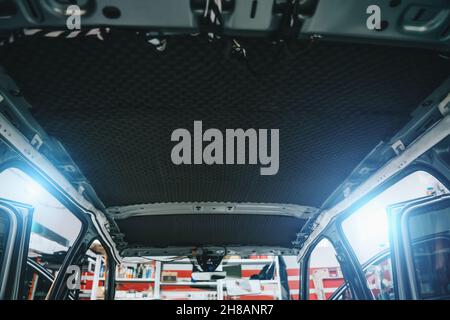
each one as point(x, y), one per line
point(428, 140)
point(49, 172)
point(187, 251)
point(292, 210)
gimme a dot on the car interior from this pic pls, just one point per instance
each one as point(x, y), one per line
point(93, 207)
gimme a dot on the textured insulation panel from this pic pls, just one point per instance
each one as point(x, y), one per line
point(191, 230)
point(115, 103)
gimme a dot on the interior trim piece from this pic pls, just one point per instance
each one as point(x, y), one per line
point(48, 171)
point(187, 251)
point(429, 139)
point(315, 19)
point(124, 212)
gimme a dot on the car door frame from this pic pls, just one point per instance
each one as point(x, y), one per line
point(352, 274)
point(87, 233)
point(335, 233)
point(20, 216)
point(376, 259)
point(17, 152)
point(403, 265)
point(399, 277)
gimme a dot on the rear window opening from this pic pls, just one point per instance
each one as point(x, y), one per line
point(237, 278)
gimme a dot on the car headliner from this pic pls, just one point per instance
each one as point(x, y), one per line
point(114, 104)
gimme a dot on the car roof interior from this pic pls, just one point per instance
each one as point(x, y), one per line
point(114, 102)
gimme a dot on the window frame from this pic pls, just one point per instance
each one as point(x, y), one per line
point(376, 259)
point(109, 271)
point(404, 243)
point(55, 291)
point(23, 214)
point(9, 246)
point(306, 262)
point(415, 167)
point(37, 268)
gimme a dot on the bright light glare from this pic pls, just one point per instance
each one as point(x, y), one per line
point(374, 227)
point(367, 228)
point(44, 245)
point(17, 186)
point(33, 190)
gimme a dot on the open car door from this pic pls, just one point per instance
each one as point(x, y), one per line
point(420, 243)
point(15, 224)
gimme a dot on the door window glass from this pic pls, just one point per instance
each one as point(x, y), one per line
point(37, 283)
point(344, 294)
point(379, 278)
point(367, 229)
point(430, 245)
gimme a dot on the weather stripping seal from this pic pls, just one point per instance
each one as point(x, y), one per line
point(48, 171)
point(429, 139)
